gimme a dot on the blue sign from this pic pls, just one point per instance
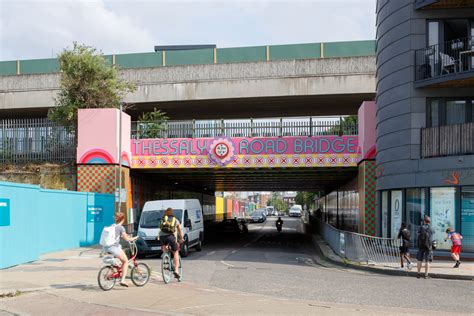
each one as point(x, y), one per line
point(4, 212)
point(94, 214)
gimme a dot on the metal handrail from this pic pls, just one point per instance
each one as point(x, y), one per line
point(359, 247)
point(274, 127)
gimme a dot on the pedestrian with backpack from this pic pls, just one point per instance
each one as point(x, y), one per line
point(425, 246)
point(456, 245)
point(405, 239)
point(110, 240)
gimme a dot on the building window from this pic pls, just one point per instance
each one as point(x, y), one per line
point(443, 213)
point(385, 214)
point(455, 112)
point(467, 218)
point(449, 111)
point(396, 212)
point(414, 211)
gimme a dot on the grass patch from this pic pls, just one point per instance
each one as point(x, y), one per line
point(10, 294)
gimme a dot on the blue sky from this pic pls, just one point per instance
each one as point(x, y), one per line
point(41, 29)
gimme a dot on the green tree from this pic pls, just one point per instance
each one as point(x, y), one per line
point(87, 81)
point(305, 198)
point(152, 123)
point(347, 127)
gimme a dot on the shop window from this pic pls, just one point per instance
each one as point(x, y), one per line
point(467, 218)
point(414, 211)
point(443, 213)
point(396, 212)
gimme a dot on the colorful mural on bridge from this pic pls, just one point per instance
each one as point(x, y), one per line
point(317, 151)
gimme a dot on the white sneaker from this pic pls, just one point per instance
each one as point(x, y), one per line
point(409, 266)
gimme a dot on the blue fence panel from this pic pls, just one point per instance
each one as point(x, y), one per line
point(18, 241)
point(44, 221)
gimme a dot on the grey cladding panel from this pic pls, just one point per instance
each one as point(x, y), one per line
point(394, 109)
point(394, 79)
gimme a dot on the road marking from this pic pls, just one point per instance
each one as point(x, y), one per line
point(198, 306)
point(227, 264)
point(211, 253)
point(234, 251)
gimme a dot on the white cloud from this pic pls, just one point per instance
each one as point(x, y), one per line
point(33, 29)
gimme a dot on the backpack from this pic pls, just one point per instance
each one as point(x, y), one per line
point(168, 224)
point(107, 238)
point(424, 237)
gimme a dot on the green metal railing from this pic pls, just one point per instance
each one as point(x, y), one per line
point(205, 56)
point(274, 127)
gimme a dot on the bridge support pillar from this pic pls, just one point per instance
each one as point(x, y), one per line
point(99, 160)
point(366, 183)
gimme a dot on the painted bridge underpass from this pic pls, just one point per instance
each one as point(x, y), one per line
point(322, 160)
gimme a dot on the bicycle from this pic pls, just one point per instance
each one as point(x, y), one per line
point(112, 271)
point(167, 265)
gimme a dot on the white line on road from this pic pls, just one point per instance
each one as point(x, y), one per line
point(211, 253)
point(234, 251)
point(227, 264)
point(198, 306)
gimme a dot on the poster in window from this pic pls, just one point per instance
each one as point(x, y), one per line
point(443, 208)
point(384, 213)
point(396, 208)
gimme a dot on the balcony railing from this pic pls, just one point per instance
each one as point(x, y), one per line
point(447, 59)
point(247, 128)
point(448, 140)
point(443, 4)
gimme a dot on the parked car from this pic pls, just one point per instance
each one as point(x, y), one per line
point(189, 214)
point(232, 226)
point(295, 210)
point(275, 213)
point(258, 216)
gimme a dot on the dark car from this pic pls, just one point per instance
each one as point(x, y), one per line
point(258, 216)
point(233, 226)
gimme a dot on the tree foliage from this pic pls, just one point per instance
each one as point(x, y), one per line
point(347, 126)
point(152, 123)
point(87, 81)
point(305, 198)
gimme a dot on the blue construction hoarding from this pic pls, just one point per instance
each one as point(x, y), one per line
point(34, 221)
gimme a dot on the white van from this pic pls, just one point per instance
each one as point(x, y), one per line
point(189, 214)
point(295, 210)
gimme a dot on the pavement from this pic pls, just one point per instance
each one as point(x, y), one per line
point(439, 269)
point(262, 272)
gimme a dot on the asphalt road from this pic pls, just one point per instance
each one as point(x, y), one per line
point(285, 265)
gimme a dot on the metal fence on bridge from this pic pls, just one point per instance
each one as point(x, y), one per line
point(274, 127)
point(35, 140)
point(361, 248)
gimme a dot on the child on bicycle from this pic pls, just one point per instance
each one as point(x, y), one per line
point(168, 228)
point(116, 249)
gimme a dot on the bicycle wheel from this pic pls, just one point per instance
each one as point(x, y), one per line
point(166, 268)
point(140, 274)
point(106, 278)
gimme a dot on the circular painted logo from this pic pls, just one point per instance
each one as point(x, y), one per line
point(221, 151)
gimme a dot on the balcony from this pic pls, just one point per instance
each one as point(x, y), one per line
point(448, 140)
point(449, 64)
point(271, 127)
point(443, 4)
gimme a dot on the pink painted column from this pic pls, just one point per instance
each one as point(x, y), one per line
point(99, 160)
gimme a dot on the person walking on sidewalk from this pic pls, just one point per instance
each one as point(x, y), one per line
point(456, 245)
point(405, 239)
point(425, 246)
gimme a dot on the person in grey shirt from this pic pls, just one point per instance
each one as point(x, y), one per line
point(116, 248)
